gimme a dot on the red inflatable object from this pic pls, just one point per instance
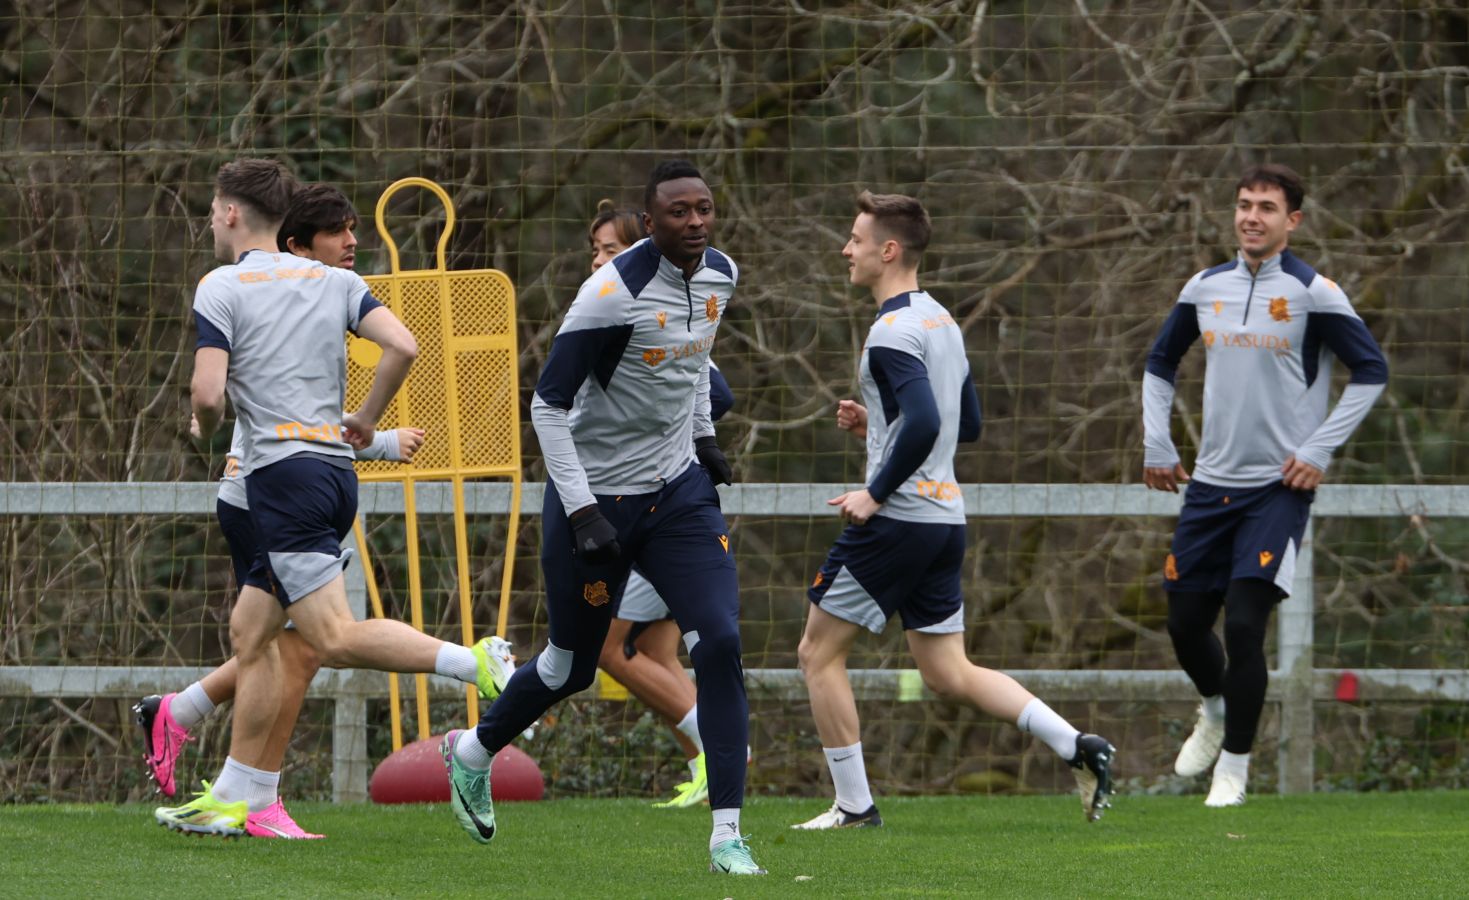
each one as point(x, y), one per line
point(415, 774)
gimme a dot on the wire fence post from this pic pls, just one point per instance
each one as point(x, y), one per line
point(1296, 643)
point(349, 715)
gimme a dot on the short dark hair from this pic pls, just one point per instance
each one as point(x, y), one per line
point(263, 187)
point(900, 218)
point(1275, 175)
point(668, 170)
point(314, 209)
point(627, 224)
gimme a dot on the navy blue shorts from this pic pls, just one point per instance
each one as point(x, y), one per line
point(302, 507)
point(1225, 534)
point(886, 567)
point(239, 533)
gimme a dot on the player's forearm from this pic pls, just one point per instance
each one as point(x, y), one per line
point(384, 446)
point(209, 415)
point(703, 420)
point(207, 402)
point(558, 450)
point(1356, 401)
point(1158, 449)
point(913, 442)
point(392, 371)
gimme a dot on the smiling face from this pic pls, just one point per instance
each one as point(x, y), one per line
point(866, 252)
point(680, 219)
point(1262, 223)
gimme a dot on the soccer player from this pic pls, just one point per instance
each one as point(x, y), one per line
point(318, 225)
point(622, 413)
point(1270, 325)
point(641, 650)
point(902, 551)
point(271, 334)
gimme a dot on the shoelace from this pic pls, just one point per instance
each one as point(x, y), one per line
point(477, 786)
point(740, 851)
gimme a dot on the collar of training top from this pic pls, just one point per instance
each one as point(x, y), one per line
point(896, 302)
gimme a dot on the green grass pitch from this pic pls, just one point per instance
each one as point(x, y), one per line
point(1324, 845)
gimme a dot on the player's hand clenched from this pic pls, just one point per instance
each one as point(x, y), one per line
point(358, 430)
point(852, 416)
point(712, 459)
point(594, 539)
point(409, 440)
point(855, 506)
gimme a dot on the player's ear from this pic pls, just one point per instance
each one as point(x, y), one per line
point(295, 247)
point(1292, 220)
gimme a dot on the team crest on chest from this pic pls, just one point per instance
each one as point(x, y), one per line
point(1208, 339)
point(711, 308)
point(655, 356)
point(595, 593)
point(1279, 309)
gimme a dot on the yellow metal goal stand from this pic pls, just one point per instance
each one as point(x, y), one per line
point(463, 391)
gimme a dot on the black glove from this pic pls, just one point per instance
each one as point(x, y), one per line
point(595, 540)
point(712, 458)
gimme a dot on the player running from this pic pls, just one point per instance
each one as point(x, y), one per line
point(319, 225)
point(1270, 325)
point(903, 550)
point(271, 334)
point(622, 413)
point(641, 650)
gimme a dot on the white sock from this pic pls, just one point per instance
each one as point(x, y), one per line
point(468, 750)
point(726, 826)
point(689, 725)
point(189, 706)
point(237, 781)
point(456, 662)
point(1234, 763)
point(265, 789)
point(1040, 720)
point(1214, 708)
point(849, 774)
point(693, 768)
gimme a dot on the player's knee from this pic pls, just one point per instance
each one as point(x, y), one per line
point(613, 660)
point(303, 659)
point(943, 684)
point(713, 646)
point(330, 648)
point(810, 655)
point(1242, 639)
point(583, 673)
point(566, 672)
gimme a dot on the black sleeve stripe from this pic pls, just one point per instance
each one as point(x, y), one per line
point(1179, 333)
point(209, 333)
point(577, 354)
point(1348, 338)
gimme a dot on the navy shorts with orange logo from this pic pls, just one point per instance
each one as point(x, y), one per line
point(302, 507)
point(885, 567)
point(1225, 534)
point(239, 533)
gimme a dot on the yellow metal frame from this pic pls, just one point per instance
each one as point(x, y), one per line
point(463, 391)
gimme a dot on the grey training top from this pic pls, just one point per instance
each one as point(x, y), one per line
point(1269, 339)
